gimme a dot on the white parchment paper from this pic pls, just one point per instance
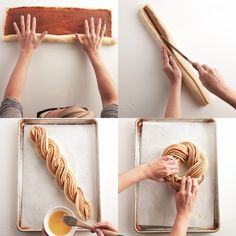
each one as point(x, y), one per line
point(156, 205)
point(78, 145)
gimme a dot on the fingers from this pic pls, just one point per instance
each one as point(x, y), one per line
point(166, 158)
point(165, 58)
point(105, 225)
point(86, 28)
point(92, 27)
point(189, 185)
point(183, 185)
point(173, 63)
point(26, 28)
point(22, 23)
point(194, 186)
point(104, 28)
point(16, 29)
point(42, 36)
point(99, 26)
point(199, 68)
point(79, 38)
point(34, 25)
point(99, 232)
point(28, 21)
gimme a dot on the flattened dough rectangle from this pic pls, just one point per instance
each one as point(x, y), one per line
point(58, 20)
point(61, 23)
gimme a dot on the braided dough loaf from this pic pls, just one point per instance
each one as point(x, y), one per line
point(189, 154)
point(58, 167)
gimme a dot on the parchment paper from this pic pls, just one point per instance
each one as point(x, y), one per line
point(155, 204)
point(40, 193)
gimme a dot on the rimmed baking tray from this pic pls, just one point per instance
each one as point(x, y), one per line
point(37, 190)
point(154, 202)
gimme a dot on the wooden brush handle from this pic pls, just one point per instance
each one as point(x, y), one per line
point(84, 225)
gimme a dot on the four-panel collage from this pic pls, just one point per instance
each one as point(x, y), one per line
point(117, 117)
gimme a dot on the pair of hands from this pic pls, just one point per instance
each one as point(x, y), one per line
point(209, 77)
point(29, 40)
point(185, 199)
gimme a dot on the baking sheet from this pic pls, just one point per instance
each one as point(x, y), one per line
point(155, 205)
point(38, 191)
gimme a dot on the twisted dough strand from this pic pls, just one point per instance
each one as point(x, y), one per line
point(188, 153)
point(57, 165)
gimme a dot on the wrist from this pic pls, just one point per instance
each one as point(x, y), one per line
point(26, 52)
point(93, 55)
point(184, 216)
point(142, 171)
point(177, 83)
point(145, 170)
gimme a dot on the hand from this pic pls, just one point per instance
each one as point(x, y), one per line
point(27, 37)
point(186, 198)
point(157, 169)
point(44, 232)
point(92, 40)
point(170, 68)
point(104, 225)
point(211, 79)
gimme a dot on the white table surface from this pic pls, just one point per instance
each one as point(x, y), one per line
point(59, 74)
point(8, 173)
point(204, 30)
point(226, 166)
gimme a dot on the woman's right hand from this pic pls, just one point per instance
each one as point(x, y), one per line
point(211, 79)
point(159, 168)
point(186, 197)
point(106, 226)
point(91, 41)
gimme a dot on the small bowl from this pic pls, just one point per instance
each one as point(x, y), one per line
point(53, 210)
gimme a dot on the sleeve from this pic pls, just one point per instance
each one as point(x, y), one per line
point(11, 108)
point(110, 111)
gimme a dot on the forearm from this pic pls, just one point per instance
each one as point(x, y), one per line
point(180, 226)
point(228, 95)
point(173, 109)
point(16, 84)
point(106, 86)
point(131, 177)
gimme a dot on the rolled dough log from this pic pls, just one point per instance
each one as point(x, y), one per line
point(60, 23)
point(156, 29)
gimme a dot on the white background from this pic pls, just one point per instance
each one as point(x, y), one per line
point(226, 168)
point(59, 74)
point(107, 129)
point(204, 30)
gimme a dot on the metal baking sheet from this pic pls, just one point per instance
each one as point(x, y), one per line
point(154, 202)
point(37, 190)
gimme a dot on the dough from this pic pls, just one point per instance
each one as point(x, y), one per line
point(190, 155)
point(58, 167)
point(61, 23)
point(70, 38)
point(157, 28)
